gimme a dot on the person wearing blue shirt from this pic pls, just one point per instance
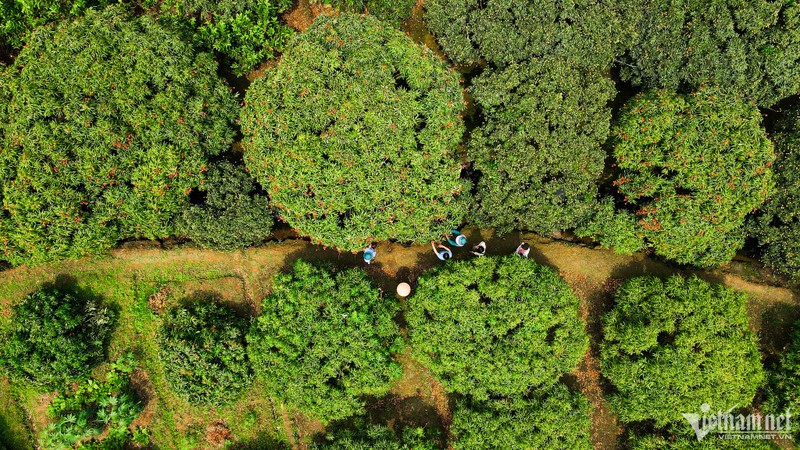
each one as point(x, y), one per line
point(441, 251)
point(370, 253)
point(456, 238)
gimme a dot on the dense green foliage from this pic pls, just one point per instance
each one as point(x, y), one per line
point(692, 168)
point(104, 408)
point(750, 47)
point(495, 326)
point(19, 17)
point(783, 389)
point(365, 436)
point(580, 33)
point(777, 227)
point(324, 339)
point(55, 337)
point(689, 442)
point(670, 346)
point(202, 348)
point(538, 148)
point(247, 32)
point(235, 214)
point(553, 419)
point(108, 126)
point(389, 11)
point(353, 134)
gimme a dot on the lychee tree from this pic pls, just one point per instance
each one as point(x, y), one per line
point(354, 135)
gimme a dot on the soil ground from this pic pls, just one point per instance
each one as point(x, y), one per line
point(140, 272)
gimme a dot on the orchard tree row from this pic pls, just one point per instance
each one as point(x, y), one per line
point(501, 334)
point(357, 134)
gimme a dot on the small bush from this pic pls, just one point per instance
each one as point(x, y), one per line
point(246, 32)
point(55, 337)
point(104, 408)
point(551, 419)
point(496, 326)
point(19, 17)
point(203, 353)
point(354, 133)
point(235, 214)
point(670, 346)
point(325, 339)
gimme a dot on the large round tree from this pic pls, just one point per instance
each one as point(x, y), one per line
point(777, 227)
point(539, 146)
point(670, 346)
point(108, 126)
point(323, 340)
point(354, 135)
point(692, 168)
point(749, 46)
point(554, 418)
point(496, 326)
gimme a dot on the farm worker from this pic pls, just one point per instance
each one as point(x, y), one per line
point(369, 253)
point(442, 252)
point(480, 249)
point(523, 250)
point(456, 238)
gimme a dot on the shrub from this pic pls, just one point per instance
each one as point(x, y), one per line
point(582, 33)
point(365, 436)
point(783, 388)
point(553, 419)
point(539, 146)
point(496, 326)
point(55, 337)
point(353, 134)
point(388, 11)
point(749, 47)
point(670, 346)
point(692, 167)
point(778, 226)
point(109, 145)
point(19, 17)
point(325, 339)
point(202, 348)
point(235, 214)
point(690, 442)
point(105, 408)
point(247, 32)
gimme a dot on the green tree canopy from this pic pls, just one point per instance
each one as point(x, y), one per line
point(353, 134)
point(749, 46)
point(552, 419)
point(109, 124)
point(367, 436)
point(235, 213)
point(581, 33)
point(539, 145)
point(496, 326)
point(247, 32)
point(670, 346)
point(202, 348)
point(324, 339)
point(389, 11)
point(19, 17)
point(692, 168)
point(55, 337)
point(777, 227)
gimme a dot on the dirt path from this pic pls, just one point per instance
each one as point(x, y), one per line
point(416, 398)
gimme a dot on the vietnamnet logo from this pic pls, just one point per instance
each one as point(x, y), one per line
point(727, 425)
